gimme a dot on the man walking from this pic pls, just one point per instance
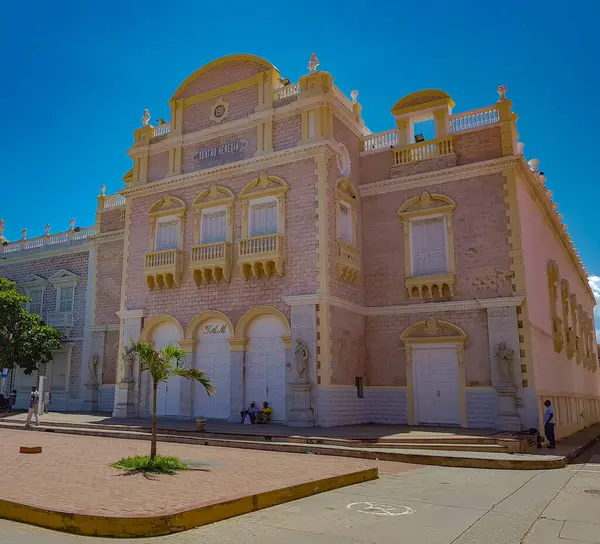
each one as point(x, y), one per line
point(549, 424)
point(34, 401)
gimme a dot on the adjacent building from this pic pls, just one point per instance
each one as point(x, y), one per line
point(345, 277)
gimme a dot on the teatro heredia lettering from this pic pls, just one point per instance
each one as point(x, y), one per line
point(219, 150)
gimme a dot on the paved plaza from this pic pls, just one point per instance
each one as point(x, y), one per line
point(428, 505)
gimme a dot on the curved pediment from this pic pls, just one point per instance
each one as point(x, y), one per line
point(422, 100)
point(215, 193)
point(167, 204)
point(264, 184)
point(434, 330)
point(427, 201)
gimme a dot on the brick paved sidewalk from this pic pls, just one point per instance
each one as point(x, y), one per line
point(72, 474)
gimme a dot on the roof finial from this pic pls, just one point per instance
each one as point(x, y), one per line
point(146, 118)
point(24, 234)
point(102, 190)
point(47, 229)
point(313, 63)
point(354, 96)
point(72, 223)
point(502, 91)
point(2, 223)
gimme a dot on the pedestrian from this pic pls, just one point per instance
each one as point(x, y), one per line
point(549, 424)
point(34, 401)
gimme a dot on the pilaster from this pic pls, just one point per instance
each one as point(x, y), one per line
point(187, 392)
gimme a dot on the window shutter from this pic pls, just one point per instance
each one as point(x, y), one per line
point(167, 236)
point(345, 226)
point(214, 227)
point(264, 219)
point(429, 247)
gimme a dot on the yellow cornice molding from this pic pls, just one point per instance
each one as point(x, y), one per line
point(109, 236)
point(262, 162)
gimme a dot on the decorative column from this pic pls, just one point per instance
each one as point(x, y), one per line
point(238, 357)
point(403, 128)
point(187, 393)
point(317, 123)
point(508, 123)
point(127, 393)
point(301, 367)
point(95, 361)
point(441, 122)
point(410, 397)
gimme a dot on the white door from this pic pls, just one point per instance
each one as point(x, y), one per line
point(437, 399)
point(265, 365)
point(213, 356)
point(169, 393)
point(23, 384)
point(56, 381)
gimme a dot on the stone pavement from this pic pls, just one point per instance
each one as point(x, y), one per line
point(72, 474)
point(429, 505)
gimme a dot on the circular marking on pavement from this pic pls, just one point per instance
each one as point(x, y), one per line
point(378, 509)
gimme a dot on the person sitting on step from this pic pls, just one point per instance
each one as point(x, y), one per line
point(251, 412)
point(264, 416)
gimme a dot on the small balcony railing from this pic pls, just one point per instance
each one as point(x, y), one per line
point(348, 261)
point(211, 263)
point(422, 151)
point(261, 255)
point(60, 320)
point(163, 268)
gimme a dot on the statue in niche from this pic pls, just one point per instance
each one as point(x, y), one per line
point(93, 370)
point(301, 354)
point(128, 357)
point(504, 359)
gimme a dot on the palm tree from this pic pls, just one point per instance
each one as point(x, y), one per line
point(162, 364)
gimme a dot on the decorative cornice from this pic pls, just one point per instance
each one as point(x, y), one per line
point(436, 177)
point(80, 246)
point(130, 314)
point(252, 164)
point(108, 236)
point(405, 309)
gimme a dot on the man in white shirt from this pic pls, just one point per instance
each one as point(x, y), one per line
point(549, 424)
point(34, 401)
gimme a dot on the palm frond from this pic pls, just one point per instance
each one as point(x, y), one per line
point(197, 376)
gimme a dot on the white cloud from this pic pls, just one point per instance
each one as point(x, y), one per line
point(595, 285)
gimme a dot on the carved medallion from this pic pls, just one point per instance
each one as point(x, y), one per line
point(219, 111)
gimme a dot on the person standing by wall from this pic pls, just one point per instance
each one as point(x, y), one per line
point(34, 402)
point(549, 424)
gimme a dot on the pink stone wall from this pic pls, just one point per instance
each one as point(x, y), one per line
point(287, 133)
point(376, 166)
point(190, 164)
point(349, 354)
point(110, 220)
point(220, 76)
point(241, 104)
point(387, 357)
point(158, 166)
point(109, 365)
point(238, 296)
point(479, 145)
point(553, 371)
point(424, 166)
point(480, 241)
point(109, 270)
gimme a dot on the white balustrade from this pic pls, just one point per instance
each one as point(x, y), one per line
point(60, 319)
point(113, 201)
point(161, 130)
point(381, 140)
point(474, 119)
point(59, 238)
point(341, 97)
point(286, 91)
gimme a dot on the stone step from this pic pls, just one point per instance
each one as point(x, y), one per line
point(424, 456)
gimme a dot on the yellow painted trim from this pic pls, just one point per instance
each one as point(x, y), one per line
point(168, 523)
point(266, 186)
point(189, 346)
point(215, 93)
point(438, 98)
point(152, 323)
point(201, 318)
point(238, 344)
point(219, 62)
point(241, 328)
point(212, 197)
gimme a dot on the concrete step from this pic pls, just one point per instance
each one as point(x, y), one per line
point(424, 456)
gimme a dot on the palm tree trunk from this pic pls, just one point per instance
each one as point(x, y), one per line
point(153, 442)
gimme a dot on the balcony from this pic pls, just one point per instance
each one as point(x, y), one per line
point(348, 262)
point(63, 321)
point(422, 151)
point(211, 263)
point(261, 255)
point(437, 286)
point(163, 268)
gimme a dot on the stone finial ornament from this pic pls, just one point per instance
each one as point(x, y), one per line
point(502, 91)
point(313, 64)
point(102, 190)
point(72, 223)
point(2, 223)
point(146, 118)
point(47, 229)
point(533, 164)
point(354, 96)
point(24, 234)
point(520, 147)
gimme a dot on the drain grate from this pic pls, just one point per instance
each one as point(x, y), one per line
point(595, 492)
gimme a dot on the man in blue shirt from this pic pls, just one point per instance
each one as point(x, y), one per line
point(549, 424)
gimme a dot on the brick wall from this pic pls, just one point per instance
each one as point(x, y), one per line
point(424, 166)
point(287, 132)
point(158, 166)
point(376, 166)
point(386, 356)
point(110, 220)
point(238, 296)
point(190, 164)
point(479, 145)
point(480, 241)
point(349, 354)
point(221, 75)
point(111, 351)
point(109, 270)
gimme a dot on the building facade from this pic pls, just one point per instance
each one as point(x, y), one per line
point(344, 277)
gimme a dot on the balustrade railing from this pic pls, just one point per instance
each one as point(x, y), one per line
point(474, 119)
point(429, 149)
point(210, 252)
point(348, 251)
point(258, 245)
point(286, 91)
point(113, 201)
point(161, 130)
point(158, 259)
point(60, 238)
point(60, 319)
point(381, 140)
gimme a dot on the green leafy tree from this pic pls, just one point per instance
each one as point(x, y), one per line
point(162, 364)
point(25, 340)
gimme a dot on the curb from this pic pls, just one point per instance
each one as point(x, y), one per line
point(183, 520)
point(378, 455)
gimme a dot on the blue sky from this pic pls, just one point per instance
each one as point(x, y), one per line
point(79, 75)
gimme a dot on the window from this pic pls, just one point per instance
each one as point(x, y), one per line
point(428, 247)
point(263, 219)
point(35, 304)
point(167, 235)
point(214, 227)
point(345, 223)
point(65, 298)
